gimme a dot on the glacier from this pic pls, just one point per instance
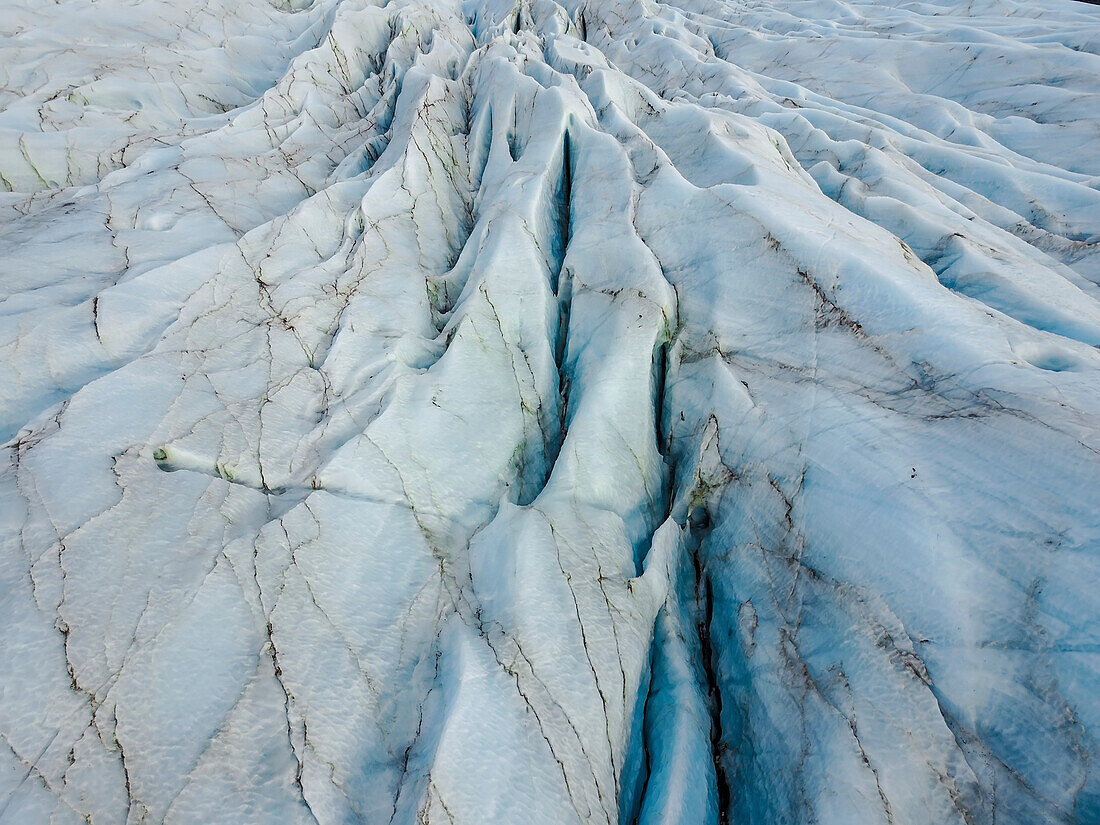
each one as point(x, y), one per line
point(550, 411)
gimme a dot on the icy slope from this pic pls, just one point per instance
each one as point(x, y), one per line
point(597, 412)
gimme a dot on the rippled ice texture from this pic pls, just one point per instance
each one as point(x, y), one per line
point(599, 411)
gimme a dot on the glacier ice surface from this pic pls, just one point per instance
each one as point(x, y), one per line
point(550, 411)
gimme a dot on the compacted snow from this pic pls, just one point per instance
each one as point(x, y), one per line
point(599, 411)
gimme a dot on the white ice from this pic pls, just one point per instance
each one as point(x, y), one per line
point(522, 412)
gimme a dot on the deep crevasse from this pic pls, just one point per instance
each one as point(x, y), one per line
point(550, 412)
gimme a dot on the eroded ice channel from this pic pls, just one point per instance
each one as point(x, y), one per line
point(549, 412)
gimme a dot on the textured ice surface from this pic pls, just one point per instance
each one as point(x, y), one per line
point(595, 411)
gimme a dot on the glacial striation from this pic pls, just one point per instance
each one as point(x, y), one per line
point(549, 411)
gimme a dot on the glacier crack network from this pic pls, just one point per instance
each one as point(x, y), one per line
point(550, 411)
